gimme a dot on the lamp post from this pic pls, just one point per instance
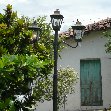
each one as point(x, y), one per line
point(78, 31)
point(56, 20)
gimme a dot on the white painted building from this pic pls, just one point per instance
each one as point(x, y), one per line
point(91, 59)
point(93, 64)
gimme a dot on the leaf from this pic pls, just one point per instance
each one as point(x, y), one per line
point(1, 64)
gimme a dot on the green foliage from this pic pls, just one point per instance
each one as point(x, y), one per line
point(7, 103)
point(67, 78)
point(14, 37)
point(21, 62)
point(107, 34)
point(16, 72)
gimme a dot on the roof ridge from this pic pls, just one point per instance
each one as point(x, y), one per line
point(96, 26)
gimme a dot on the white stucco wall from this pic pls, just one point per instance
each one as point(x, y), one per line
point(92, 46)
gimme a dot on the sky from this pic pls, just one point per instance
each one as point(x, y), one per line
point(87, 11)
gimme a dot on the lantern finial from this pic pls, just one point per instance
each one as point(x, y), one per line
point(78, 23)
point(57, 12)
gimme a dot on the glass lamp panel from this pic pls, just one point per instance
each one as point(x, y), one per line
point(83, 33)
point(78, 34)
point(52, 21)
point(38, 33)
point(34, 35)
point(56, 22)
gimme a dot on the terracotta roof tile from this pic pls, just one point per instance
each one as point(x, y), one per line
point(100, 25)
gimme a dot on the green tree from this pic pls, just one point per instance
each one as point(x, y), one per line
point(67, 79)
point(19, 59)
point(107, 34)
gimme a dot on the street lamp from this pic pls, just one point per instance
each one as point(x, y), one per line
point(56, 20)
point(36, 31)
point(78, 31)
point(77, 34)
point(35, 37)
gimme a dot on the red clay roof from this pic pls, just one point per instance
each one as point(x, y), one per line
point(100, 25)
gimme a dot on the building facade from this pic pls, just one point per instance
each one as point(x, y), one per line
point(93, 66)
